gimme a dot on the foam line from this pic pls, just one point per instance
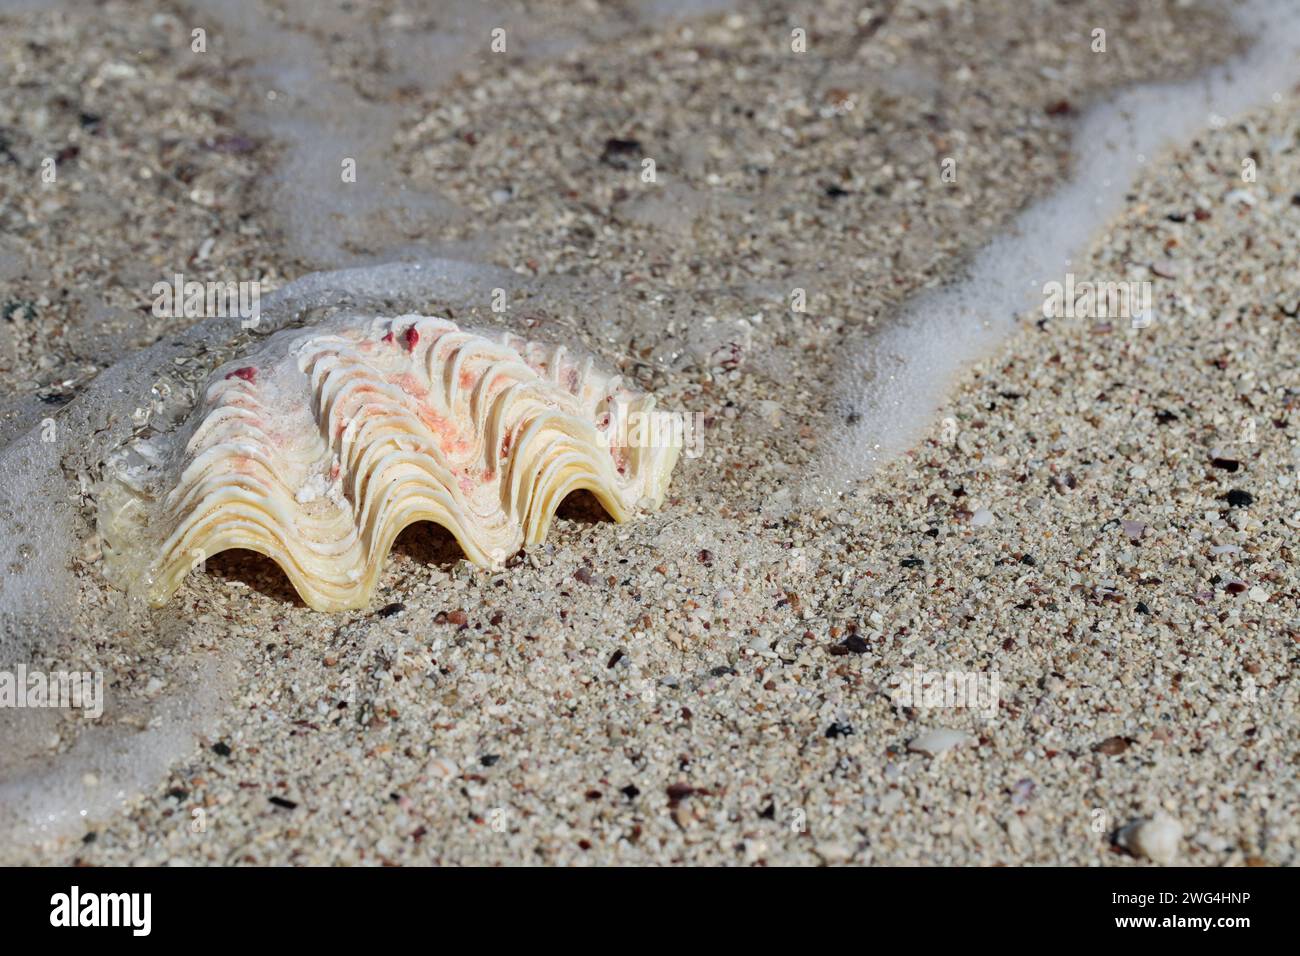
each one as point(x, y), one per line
point(893, 385)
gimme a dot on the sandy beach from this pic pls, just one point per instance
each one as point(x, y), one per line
point(1093, 532)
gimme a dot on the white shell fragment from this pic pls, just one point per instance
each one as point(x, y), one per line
point(934, 742)
point(319, 448)
point(1156, 838)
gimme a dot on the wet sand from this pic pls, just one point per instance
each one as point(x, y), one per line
point(715, 683)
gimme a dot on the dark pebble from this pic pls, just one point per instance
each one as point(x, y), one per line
point(631, 791)
point(1227, 464)
point(388, 610)
point(912, 562)
point(1239, 499)
point(282, 802)
point(221, 749)
point(488, 760)
point(839, 730)
point(1112, 746)
point(678, 792)
point(618, 152)
point(855, 644)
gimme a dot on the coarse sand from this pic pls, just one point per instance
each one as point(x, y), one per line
point(1096, 529)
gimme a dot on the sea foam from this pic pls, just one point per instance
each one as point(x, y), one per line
point(897, 378)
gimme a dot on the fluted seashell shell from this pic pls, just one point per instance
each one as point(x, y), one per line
point(318, 449)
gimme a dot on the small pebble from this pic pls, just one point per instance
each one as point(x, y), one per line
point(1156, 838)
point(934, 742)
point(440, 768)
point(1240, 499)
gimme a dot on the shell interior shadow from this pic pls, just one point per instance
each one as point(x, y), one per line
point(257, 571)
point(582, 507)
point(428, 543)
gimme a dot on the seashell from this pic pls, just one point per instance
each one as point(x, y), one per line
point(318, 449)
point(934, 742)
point(1157, 838)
